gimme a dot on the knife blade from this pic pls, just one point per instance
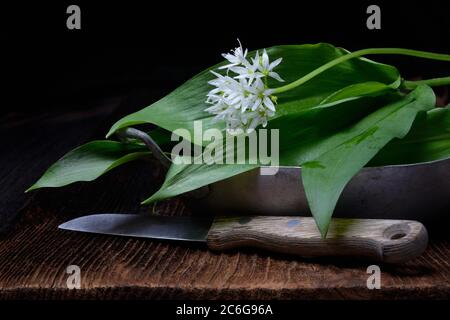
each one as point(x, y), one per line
point(391, 241)
point(142, 226)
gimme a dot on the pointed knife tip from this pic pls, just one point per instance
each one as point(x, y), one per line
point(71, 224)
point(63, 226)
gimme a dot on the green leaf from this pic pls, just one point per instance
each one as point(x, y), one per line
point(428, 140)
point(325, 176)
point(182, 178)
point(88, 162)
point(304, 135)
point(186, 104)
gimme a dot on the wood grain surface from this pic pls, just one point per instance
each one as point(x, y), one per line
point(34, 254)
point(34, 257)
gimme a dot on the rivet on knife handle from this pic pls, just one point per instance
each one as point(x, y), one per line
point(391, 241)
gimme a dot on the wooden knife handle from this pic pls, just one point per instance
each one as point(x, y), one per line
point(391, 241)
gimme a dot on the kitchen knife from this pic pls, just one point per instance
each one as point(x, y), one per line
point(390, 241)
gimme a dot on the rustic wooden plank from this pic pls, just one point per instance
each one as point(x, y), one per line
point(34, 257)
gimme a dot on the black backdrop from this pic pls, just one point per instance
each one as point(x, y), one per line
point(160, 44)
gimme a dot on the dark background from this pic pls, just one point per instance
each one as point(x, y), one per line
point(131, 46)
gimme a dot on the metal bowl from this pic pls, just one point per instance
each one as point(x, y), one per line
point(415, 192)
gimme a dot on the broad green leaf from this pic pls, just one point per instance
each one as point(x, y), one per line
point(305, 135)
point(88, 162)
point(182, 178)
point(186, 104)
point(428, 140)
point(325, 177)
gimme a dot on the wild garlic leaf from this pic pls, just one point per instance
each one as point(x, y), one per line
point(428, 140)
point(325, 176)
point(88, 162)
point(187, 177)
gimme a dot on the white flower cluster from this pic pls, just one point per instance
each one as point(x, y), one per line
point(243, 100)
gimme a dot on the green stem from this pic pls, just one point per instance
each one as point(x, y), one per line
point(435, 82)
point(359, 53)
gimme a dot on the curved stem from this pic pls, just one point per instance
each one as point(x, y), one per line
point(149, 142)
point(359, 53)
point(435, 82)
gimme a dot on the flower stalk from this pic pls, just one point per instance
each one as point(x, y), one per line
point(360, 53)
point(435, 82)
point(244, 100)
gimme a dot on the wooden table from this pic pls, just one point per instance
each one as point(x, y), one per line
point(34, 254)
